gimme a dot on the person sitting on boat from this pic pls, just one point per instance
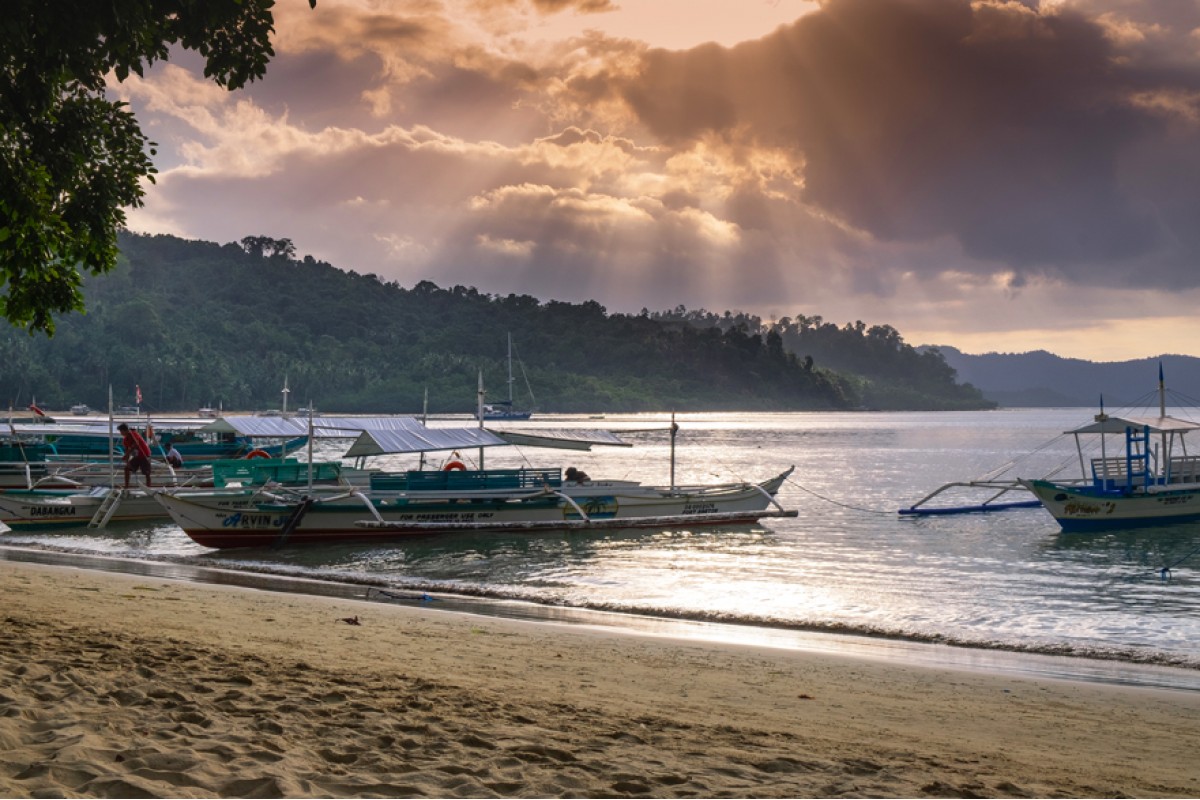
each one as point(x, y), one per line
point(174, 457)
point(137, 453)
point(576, 476)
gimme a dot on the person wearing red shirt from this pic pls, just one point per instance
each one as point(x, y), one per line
point(137, 453)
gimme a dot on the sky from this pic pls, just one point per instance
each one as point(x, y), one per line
point(998, 176)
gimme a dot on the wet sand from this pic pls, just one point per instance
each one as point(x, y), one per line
point(115, 685)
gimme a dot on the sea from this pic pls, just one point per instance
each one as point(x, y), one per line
point(1002, 591)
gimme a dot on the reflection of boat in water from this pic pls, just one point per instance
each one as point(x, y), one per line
point(424, 502)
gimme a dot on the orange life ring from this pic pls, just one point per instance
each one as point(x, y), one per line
point(256, 453)
point(453, 465)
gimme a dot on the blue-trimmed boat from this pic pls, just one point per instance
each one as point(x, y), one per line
point(1145, 477)
point(1151, 479)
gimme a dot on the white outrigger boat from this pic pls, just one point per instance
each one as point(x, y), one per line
point(423, 502)
point(491, 501)
point(95, 505)
point(1150, 479)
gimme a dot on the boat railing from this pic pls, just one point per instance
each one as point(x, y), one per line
point(1112, 474)
point(467, 480)
point(1184, 469)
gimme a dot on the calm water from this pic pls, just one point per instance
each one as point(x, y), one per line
point(847, 564)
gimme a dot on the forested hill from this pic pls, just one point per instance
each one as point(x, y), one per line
point(196, 323)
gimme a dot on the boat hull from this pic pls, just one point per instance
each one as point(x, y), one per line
point(228, 520)
point(1084, 509)
point(43, 509)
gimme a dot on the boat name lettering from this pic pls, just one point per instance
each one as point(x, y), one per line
point(243, 520)
point(1077, 508)
point(1175, 500)
point(700, 508)
point(447, 516)
point(52, 511)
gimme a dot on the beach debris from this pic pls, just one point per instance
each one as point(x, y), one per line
point(422, 597)
point(350, 620)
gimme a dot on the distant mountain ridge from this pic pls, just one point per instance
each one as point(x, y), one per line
point(1040, 378)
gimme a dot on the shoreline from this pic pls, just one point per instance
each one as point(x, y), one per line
point(118, 685)
point(901, 650)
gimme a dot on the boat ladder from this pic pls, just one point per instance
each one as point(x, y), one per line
point(106, 510)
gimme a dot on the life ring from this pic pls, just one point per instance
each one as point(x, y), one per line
point(455, 465)
point(256, 453)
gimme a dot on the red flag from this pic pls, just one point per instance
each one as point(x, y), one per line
point(36, 410)
point(137, 394)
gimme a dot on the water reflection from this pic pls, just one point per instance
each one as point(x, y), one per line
point(846, 563)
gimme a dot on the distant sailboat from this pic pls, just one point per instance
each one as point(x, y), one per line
point(504, 409)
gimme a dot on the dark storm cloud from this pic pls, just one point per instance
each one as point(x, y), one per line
point(1035, 139)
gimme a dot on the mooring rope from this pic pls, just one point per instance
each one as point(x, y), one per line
point(1165, 571)
point(820, 496)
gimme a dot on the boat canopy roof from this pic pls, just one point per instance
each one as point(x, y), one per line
point(420, 439)
point(372, 436)
point(1107, 424)
point(380, 442)
point(96, 427)
point(323, 427)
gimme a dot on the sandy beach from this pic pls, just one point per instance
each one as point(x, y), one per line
point(119, 686)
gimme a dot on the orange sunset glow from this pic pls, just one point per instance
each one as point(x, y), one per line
point(993, 175)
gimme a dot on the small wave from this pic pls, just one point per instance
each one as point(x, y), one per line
point(539, 599)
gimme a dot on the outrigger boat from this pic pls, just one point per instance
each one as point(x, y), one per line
point(1150, 479)
point(98, 505)
point(64, 455)
point(422, 502)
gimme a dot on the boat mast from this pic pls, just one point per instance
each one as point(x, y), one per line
point(674, 430)
point(424, 421)
point(1162, 393)
point(479, 412)
point(1162, 412)
point(510, 375)
point(112, 443)
point(310, 443)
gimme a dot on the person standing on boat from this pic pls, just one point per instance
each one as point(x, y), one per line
point(137, 453)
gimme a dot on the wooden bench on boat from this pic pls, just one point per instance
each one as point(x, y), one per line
point(1185, 469)
point(1113, 473)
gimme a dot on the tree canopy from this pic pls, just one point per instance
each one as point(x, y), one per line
point(71, 159)
point(202, 324)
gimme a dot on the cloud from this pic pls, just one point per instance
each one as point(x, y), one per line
point(1021, 134)
point(911, 155)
